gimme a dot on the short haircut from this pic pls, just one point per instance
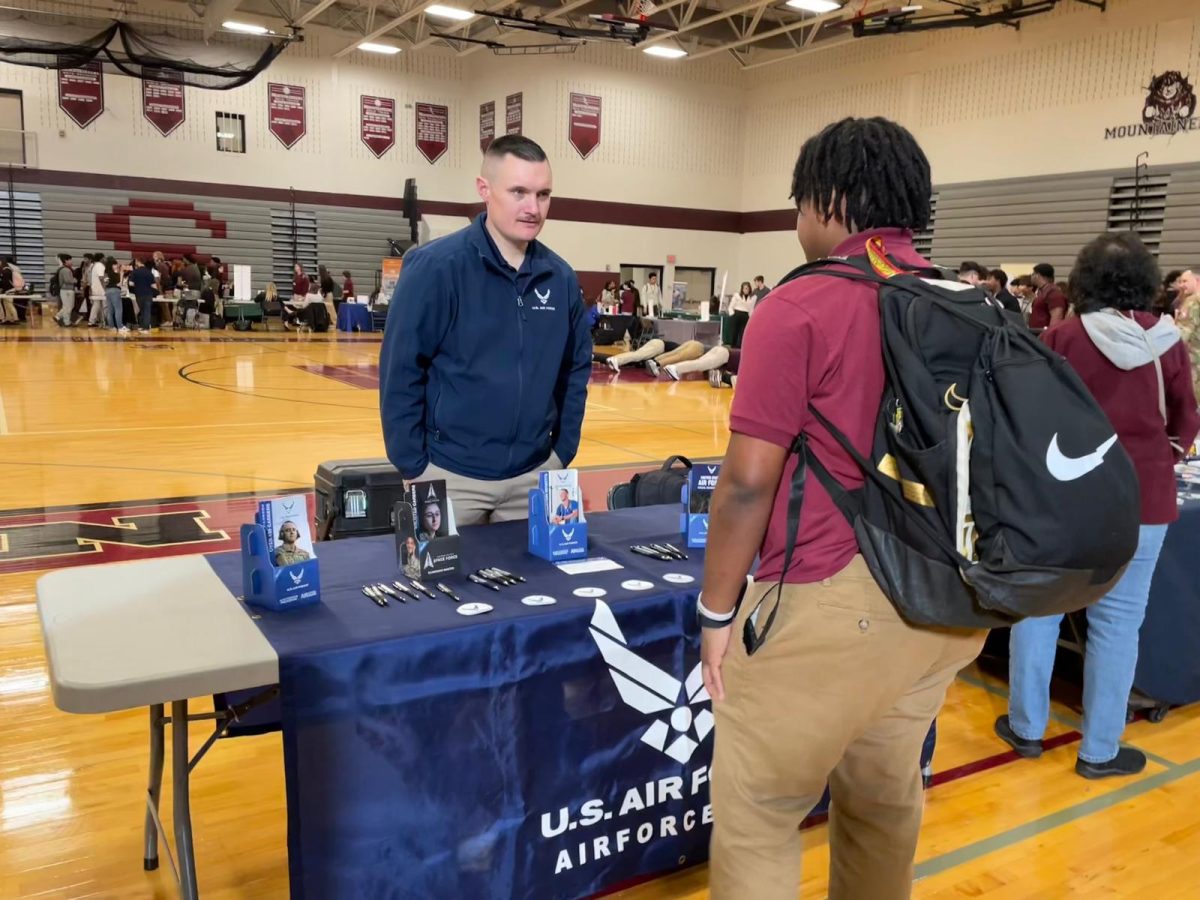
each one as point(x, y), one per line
point(655, 275)
point(1114, 270)
point(972, 266)
point(865, 173)
point(1171, 277)
point(1045, 270)
point(1022, 281)
point(1001, 277)
point(64, 257)
point(760, 278)
point(516, 145)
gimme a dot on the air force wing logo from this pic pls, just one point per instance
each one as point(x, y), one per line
point(543, 298)
point(651, 691)
point(296, 577)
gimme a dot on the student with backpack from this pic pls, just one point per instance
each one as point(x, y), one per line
point(842, 690)
point(902, 495)
point(1128, 358)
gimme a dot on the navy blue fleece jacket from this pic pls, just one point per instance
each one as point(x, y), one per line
point(484, 369)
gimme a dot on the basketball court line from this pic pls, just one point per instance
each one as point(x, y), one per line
point(205, 426)
point(100, 465)
point(1005, 839)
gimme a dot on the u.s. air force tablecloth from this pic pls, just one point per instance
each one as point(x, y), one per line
point(534, 752)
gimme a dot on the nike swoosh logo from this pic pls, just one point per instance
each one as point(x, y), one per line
point(1066, 468)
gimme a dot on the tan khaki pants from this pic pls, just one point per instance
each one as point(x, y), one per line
point(479, 502)
point(843, 692)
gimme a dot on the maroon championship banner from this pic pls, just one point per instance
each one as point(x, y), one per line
point(487, 124)
point(377, 124)
point(584, 123)
point(81, 93)
point(163, 104)
point(433, 130)
point(286, 113)
point(514, 113)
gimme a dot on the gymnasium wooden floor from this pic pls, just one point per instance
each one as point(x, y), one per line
point(92, 427)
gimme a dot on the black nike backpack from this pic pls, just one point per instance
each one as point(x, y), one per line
point(996, 488)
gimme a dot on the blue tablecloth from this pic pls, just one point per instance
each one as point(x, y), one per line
point(535, 752)
point(354, 317)
point(1168, 667)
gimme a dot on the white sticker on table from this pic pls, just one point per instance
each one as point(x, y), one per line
point(473, 609)
point(538, 600)
point(678, 578)
point(589, 592)
point(636, 585)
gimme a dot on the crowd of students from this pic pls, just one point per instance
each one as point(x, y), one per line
point(94, 291)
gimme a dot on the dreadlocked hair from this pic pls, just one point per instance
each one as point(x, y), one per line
point(865, 173)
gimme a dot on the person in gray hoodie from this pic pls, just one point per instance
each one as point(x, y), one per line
point(1136, 367)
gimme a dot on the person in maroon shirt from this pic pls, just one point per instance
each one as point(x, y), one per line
point(1049, 303)
point(1136, 367)
point(841, 689)
point(301, 285)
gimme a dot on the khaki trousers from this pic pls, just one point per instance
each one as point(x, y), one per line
point(479, 502)
point(843, 691)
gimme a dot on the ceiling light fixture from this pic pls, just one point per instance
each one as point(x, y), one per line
point(448, 12)
point(379, 48)
point(244, 27)
point(665, 51)
point(814, 6)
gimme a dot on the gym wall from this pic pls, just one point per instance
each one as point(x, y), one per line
point(695, 157)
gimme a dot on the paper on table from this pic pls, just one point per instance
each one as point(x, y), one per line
point(588, 566)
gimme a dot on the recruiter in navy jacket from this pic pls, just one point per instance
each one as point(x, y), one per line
point(487, 352)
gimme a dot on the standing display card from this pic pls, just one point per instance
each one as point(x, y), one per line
point(425, 528)
point(279, 563)
point(285, 520)
point(557, 525)
point(702, 481)
point(561, 490)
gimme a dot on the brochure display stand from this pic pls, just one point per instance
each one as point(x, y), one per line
point(276, 587)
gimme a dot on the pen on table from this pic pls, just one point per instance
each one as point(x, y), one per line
point(375, 598)
point(483, 581)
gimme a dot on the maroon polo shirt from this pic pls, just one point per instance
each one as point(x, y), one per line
point(1047, 298)
point(815, 339)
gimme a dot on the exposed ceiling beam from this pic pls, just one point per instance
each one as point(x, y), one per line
point(411, 13)
point(561, 11)
point(815, 23)
point(495, 7)
point(315, 11)
point(742, 42)
point(708, 20)
point(216, 13)
point(758, 14)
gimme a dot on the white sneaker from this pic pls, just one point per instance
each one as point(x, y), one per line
point(611, 362)
point(653, 367)
point(123, 330)
point(670, 370)
point(714, 378)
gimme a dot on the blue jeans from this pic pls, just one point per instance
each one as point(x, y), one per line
point(113, 311)
point(1112, 651)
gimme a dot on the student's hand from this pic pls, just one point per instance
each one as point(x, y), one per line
point(714, 644)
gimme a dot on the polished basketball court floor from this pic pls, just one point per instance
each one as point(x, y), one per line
point(96, 429)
